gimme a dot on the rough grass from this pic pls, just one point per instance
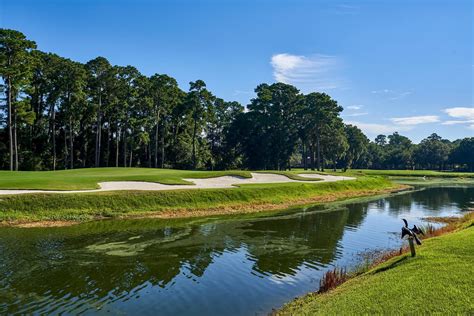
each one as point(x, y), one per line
point(438, 280)
point(181, 203)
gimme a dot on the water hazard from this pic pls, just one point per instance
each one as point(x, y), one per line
point(233, 266)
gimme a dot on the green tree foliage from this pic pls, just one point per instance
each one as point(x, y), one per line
point(15, 70)
point(399, 152)
point(318, 118)
point(60, 114)
point(358, 144)
point(464, 153)
point(432, 152)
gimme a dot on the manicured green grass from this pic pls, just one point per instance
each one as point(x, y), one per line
point(294, 174)
point(85, 179)
point(439, 280)
point(405, 173)
point(85, 206)
point(431, 181)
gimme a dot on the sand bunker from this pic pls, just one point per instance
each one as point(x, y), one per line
point(209, 183)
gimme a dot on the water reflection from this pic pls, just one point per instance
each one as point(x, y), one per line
point(241, 265)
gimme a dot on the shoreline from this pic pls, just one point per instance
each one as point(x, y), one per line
point(387, 260)
point(231, 209)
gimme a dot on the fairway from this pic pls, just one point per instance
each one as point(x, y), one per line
point(247, 198)
point(89, 178)
point(405, 173)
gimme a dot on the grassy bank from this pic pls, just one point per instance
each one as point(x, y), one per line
point(182, 203)
point(438, 280)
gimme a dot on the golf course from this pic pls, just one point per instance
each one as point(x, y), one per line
point(43, 197)
point(236, 158)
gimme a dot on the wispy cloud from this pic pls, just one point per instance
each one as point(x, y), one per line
point(242, 92)
point(311, 73)
point(355, 107)
point(461, 112)
point(392, 95)
point(415, 120)
point(464, 116)
point(401, 95)
point(383, 91)
point(457, 122)
point(346, 9)
point(356, 114)
point(373, 129)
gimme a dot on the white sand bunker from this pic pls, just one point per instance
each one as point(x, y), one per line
point(209, 183)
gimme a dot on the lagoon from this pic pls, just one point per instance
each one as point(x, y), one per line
point(240, 265)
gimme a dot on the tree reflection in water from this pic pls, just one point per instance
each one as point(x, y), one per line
point(98, 263)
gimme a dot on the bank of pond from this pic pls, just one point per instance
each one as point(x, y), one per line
point(237, 265)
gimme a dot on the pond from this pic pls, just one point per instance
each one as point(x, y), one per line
point(242, 265)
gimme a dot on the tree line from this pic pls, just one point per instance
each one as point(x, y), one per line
point(60, 114)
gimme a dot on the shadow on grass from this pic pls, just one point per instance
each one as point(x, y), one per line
point(392, 265)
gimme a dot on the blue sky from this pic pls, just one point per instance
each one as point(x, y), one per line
point(403, 65)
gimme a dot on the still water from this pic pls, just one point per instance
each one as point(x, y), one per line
point(231, 266)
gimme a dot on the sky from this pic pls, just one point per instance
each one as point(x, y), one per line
point(400, 65)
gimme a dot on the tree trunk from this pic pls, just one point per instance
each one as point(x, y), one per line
point(162, 149)
point(117, 144)
point(10, 127)
point(71, 143)
point(53, 132)
point(65, 148)
point(305, 157)
point(107, 155)
point(98, 132)
point(194, 143)
point(124, 139)
point(156, 144)
point(311, 157)
point(15, 138)
point(318, 153)
point(84, 152)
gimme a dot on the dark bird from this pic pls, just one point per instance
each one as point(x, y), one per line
point(413, 232)
point(417, 230)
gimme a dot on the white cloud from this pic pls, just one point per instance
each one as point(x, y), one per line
point(457, 122)
point(356, 114)
point(355, 107)
point(240, 92)
point(392, 94)
point(401, 95)
point(461, 113)
point(315, 73)
point(373, 129)
point(464, 116)
point(415, 120)
point(346, 9)
point(381, 91)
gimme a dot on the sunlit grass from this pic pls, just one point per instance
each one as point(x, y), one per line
point(84, 206)
point(437, 281)
point(87, 179)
